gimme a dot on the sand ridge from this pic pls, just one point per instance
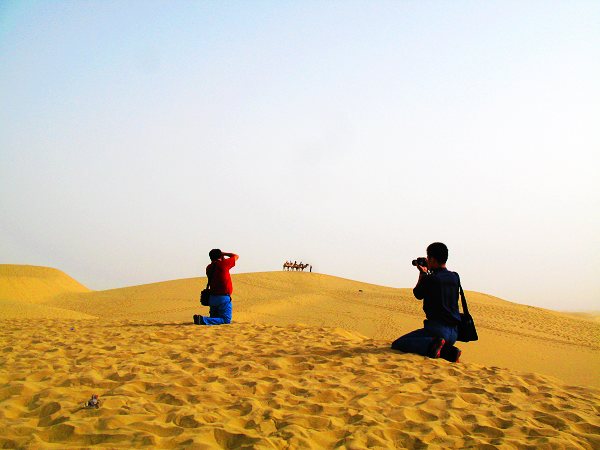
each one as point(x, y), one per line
point(35, 284)
point(25, 290)
point(166, 384)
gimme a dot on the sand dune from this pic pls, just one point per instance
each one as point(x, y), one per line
point(306, 364)
point(34, 284)
point(14, 309)
point(515, 336)
point(167, 385)
point(25, 289)
point(590, 315)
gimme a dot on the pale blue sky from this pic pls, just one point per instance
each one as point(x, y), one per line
point(135, 136)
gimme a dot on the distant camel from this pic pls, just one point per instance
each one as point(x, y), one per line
point(288, 265)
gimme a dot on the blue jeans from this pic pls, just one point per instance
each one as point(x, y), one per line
point(220, 311)
point(419, 341)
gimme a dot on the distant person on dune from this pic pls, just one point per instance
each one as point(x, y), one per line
point(438, 288)
point(221, 288)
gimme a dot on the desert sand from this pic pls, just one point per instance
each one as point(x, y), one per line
point(306, 363)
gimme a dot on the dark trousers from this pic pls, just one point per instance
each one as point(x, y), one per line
point(419, 341)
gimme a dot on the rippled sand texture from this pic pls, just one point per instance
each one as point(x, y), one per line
point(167, 385)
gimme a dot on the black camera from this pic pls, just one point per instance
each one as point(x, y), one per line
point(420, 262)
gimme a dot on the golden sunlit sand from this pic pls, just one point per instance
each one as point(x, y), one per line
point(306, 363)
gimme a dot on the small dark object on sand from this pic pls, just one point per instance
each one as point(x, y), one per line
point(92, 402)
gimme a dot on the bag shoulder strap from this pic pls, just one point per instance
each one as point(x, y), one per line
point(462, 296)
point(209, 275)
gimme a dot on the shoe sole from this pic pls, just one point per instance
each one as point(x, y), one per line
point(458, 357)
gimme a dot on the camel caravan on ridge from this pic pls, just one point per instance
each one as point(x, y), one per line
point(288, 265)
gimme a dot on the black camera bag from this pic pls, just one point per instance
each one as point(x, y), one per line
point(205, 294)
point(205, 297)
point(466, 327)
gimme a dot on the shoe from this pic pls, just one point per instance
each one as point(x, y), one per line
point(450, 353)
point(196, 319)
point(436, 348)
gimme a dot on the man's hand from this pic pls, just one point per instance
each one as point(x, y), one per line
point(418, 290)
point(231, 255)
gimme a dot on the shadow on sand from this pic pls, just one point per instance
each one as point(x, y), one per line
point(159, 325)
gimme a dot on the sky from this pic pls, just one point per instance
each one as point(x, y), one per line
point(137, 135)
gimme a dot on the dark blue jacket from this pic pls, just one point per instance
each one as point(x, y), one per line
point(439, 292)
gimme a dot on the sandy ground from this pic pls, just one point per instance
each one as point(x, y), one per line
point(515, 336)
point(306, 364)
point(165, 384)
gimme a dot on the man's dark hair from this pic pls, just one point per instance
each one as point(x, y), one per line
point(215, 254)
point(438, 251)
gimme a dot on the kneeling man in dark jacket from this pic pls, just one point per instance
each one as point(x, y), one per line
point(438, 288)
